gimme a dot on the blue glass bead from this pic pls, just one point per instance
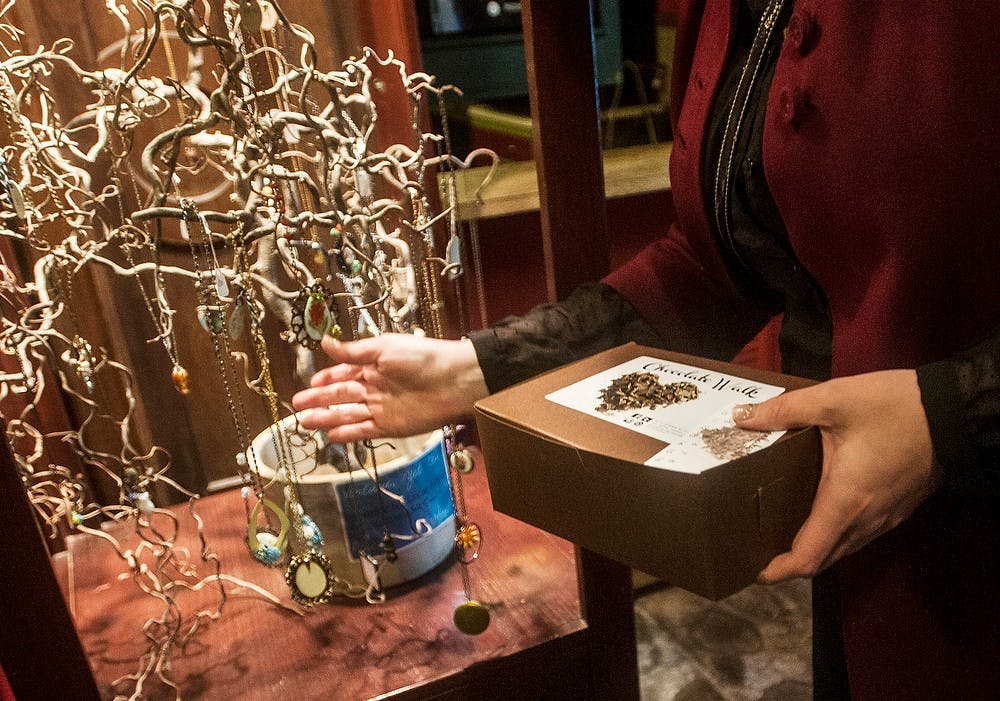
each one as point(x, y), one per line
point(311, 531)
point(268, 554)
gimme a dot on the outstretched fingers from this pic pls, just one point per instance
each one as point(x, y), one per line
point(336, 415)
point(336, 373)
point(341, 392)
point(350, 433)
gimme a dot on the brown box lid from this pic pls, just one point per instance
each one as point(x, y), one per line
point(584, 479)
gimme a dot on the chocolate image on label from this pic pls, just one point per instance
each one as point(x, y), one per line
point(729, 442)
point(643, 390)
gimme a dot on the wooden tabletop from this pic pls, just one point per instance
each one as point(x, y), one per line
point(343, 650)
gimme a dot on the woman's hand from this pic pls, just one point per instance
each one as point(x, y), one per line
point(878, 463)
point(393, 385)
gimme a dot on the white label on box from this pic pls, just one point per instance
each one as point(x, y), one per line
point(686, 407)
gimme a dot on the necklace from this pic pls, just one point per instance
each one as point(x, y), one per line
point(134, 238)
point(267, 547)
point(19, 133)
point(309, 574)
point(471, 617)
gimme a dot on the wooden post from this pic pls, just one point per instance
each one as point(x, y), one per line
point(562, 84)
point(40, 652)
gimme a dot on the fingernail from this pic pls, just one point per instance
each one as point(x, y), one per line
point(742, 412)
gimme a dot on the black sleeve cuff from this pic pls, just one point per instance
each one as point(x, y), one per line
point(594, 317)
point(961, 398)
point(487, 347)
point(944, 406)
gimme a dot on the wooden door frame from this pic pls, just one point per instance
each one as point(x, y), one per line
point(566, 134)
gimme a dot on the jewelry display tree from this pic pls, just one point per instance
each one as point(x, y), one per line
point(298, 224)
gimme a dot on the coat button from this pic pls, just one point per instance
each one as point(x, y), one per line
point(795, 105)
point(802, 31)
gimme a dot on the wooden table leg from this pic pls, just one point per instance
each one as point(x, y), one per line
point(562, 85)
point(606, 601)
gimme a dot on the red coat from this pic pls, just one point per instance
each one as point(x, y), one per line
point(882, 153)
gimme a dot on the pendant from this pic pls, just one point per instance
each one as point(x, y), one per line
point(250, 16)
point(389, 548)
point(461, 460)
point(180, 377)
point(221, 285)
point(454, 257)
point(311, 532)
point(268, 16)
point(471, 617)
point(238, 319)
point(267, 548)
point(468, 539)
point(310, 578)
point(16, 199)
point(212, 318)
point(142, 501)
point(311, 316)
point(317, 315)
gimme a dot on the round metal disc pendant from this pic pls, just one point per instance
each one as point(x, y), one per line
point(472, 618)
point(309, 577)
point(462, 461)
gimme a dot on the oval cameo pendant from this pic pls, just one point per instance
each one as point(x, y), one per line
point(310, 578)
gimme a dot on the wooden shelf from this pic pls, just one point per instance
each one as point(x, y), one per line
point(513, 189)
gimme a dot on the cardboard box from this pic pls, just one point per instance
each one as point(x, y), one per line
point(583, 478)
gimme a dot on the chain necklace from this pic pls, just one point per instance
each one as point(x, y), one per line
point(309, 575)
point(267, 547)
point(19, 133)
point(162, 320)
point(471, 616)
